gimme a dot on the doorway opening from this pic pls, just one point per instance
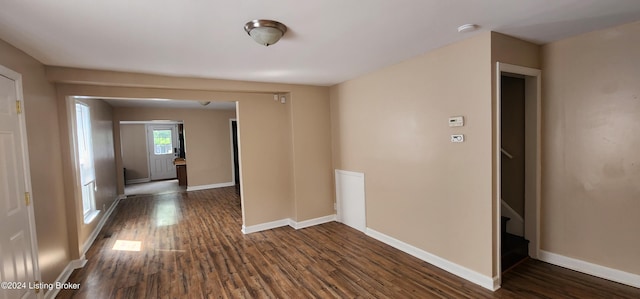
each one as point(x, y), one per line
point(518, 158)
point(153, 153)
point(235, 152)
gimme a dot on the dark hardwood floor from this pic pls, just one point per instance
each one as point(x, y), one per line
point(192, 247)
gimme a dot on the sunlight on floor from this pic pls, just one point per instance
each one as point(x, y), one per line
point(124, 245)
point(166, 213)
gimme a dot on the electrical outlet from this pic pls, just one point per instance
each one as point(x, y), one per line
point(335, 206)
point(457, 138)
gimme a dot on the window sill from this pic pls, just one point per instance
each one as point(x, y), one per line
point(89, 217)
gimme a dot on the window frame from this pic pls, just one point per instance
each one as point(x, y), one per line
point(86, 161)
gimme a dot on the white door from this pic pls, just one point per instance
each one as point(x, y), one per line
point(350, 199)
point(162, 141)
point(17, 226)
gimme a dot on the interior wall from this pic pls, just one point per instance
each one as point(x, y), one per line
point(270, 188)
point(105, 165)
point(45, 164)
point(133, 141)
point(422, 189)
point(591, 166)
point(207, 140)
point(311, 136)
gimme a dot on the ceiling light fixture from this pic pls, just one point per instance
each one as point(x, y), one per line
point(265, 32)
point(468, 28)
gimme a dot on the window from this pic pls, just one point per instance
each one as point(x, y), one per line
point(85, 161)
point(162, 143)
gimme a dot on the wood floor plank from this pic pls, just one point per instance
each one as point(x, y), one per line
point(192, 247)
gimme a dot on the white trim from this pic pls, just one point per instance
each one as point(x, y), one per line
point(351, 173)
point(312, 222)
point(22, 125)
point(94, 234)
point(138, 181)
point(265, 226)
point(288, 221)
point(211, 186)
point(453, 268)
point(64, 276)
point(591, 269)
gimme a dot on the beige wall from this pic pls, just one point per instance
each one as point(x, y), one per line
point(44, 155)
point(311, 136)
point(267, 129)
point(133, 142)
point(422, 189)
point(207, 140)
point(591, 148)
point(104, 159)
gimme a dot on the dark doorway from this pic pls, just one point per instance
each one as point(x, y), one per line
point(514, 245)
point(236, 161)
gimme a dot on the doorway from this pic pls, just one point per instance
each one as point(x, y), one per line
point(234, 152)
point(518, 159)
point(138, 148)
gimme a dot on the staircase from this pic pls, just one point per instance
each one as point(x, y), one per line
point(514, 248)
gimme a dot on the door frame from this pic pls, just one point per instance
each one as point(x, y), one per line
point(22, 125)
point(533, 120)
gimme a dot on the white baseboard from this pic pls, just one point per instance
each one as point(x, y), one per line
point(491, 283)
point(312, 222)
point(265, 226)
point(64, 276)
point(138, 181)
point(289, 222)
point(590, 268)
point(212, 186)
point(94, 234)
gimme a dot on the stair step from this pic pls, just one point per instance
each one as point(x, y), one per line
point(514, 249)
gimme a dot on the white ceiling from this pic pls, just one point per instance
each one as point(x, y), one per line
point(328, 41)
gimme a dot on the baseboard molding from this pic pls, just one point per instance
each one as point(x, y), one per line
point(265, 226)
point(94, 234)
point(64, 276)
point(138, 181)
point(312, 222)
point(590, 268)
point(491, 283)
point(212, 186)
point(289, 222)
